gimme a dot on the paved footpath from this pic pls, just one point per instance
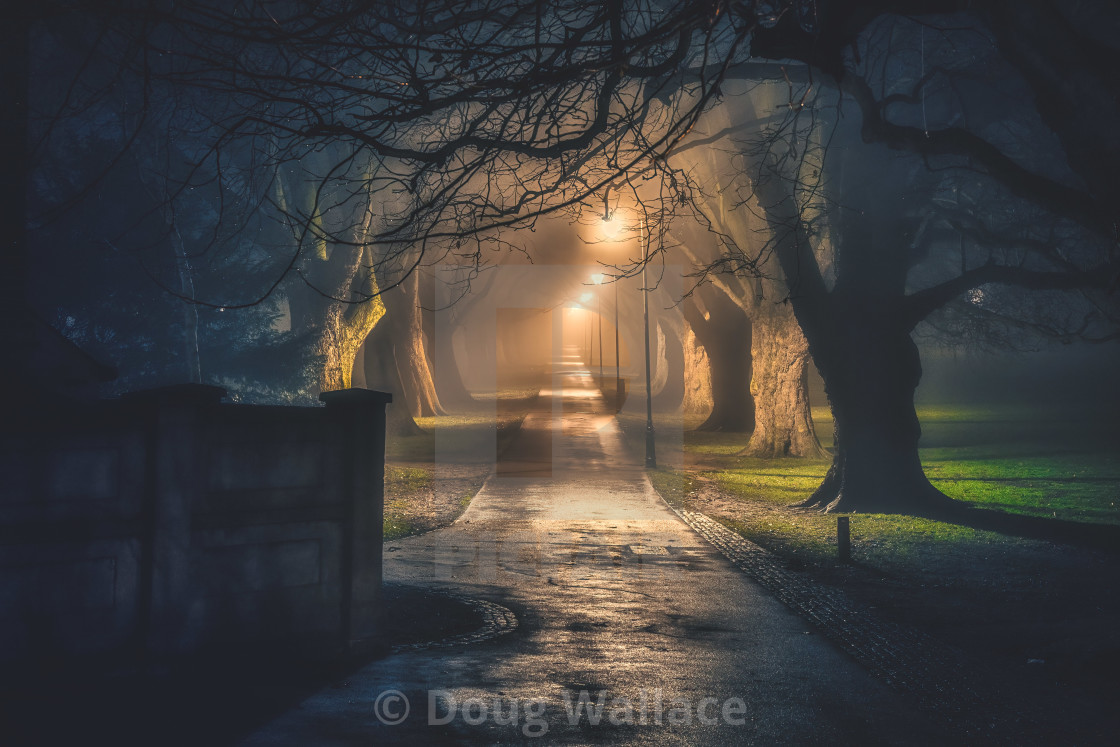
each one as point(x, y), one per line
point(618, 603)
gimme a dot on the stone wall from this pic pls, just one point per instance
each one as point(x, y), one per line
point(167, 521)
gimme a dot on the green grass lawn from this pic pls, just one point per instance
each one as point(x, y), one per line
point(889, 542)
point(894, 543)
point(1041, 461)
point(402, 482)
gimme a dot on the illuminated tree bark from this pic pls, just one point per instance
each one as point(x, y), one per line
point(448, 380)
point(344, 329)
point(759, 355)
point(697, 377)
point(335, 303)
point(725, 332)
point(379, 372)
point(395, 356)
point(783, 420)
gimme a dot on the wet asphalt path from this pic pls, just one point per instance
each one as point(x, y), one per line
point(618, 603)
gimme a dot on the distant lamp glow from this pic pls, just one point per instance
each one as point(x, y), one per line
point(585, 297)
point(612, 227)
point(597, 278)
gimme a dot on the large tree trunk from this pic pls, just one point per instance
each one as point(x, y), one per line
point(859, 339)
point(725, 332)
point(344, 330)
point(870, 376)
point(770, 364)
point(450, 390)
point(670, 343)
point(410, 378)
point(336, 330)
point(783, 421)
point(697, 377)
point(380, 372)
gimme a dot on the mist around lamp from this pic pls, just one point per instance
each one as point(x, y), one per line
point(612, 228)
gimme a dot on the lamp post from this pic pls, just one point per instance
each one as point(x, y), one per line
point(597, 279)
point(599, 301)
point(611, 227)
point(588, 328)
point(617, 369)
point(651, 456)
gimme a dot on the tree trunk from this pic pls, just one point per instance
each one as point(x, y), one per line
point(334, 329)
point(783, 421)
point(380, 369)
point(344, 330)
point(340, 328)
point(410, 381)
point(772, 360)
point(858, 336)
point(726, 337)
point(448, 379)
point(870, 379)
point(697, 377)
point(671, 348)
point(450, 389)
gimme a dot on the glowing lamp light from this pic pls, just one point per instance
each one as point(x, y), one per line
point(597, 278)
point(585, 297)
point(612, 227)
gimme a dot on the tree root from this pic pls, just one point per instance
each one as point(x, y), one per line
point(918, 499)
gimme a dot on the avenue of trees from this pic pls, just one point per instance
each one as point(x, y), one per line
point(861, 170)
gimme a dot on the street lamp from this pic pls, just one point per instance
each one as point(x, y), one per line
point(612, 226)
point(617, 369)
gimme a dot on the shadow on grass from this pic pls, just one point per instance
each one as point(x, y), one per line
point(1096, 536)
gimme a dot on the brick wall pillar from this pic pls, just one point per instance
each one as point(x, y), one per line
point(358, 422)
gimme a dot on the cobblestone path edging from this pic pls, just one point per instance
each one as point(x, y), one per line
point(496, 621)
point(941, 678)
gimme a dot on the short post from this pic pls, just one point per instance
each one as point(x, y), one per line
point(843, 540)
